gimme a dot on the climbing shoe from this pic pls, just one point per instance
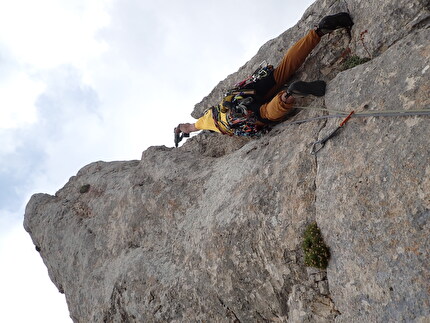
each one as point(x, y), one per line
point(333, 22)
point(301, 88)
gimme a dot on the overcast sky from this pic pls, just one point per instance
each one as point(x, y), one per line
point(89, 80)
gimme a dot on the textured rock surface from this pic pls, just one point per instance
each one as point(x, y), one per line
point(212, 231)
point(380, 223)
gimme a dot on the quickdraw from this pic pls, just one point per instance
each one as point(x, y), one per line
point(318, 145)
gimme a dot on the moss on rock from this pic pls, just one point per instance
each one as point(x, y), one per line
point(316, 251)
point(353, 61)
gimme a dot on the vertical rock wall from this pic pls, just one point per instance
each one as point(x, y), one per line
point(212, 231)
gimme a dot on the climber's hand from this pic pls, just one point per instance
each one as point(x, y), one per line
point(287, 99)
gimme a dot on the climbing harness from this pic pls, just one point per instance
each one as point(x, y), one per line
point(318, 145)
point(240, 104)
point(222, 126)
point(240, 121)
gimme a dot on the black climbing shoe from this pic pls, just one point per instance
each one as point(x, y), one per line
point(333, 22)
point(301, 88)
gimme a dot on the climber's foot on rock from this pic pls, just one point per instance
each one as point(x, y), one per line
point(333, 22)
point(301, 88)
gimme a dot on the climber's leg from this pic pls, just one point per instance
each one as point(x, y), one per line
point(295, 57)
point(278, 108)
point(292, 60)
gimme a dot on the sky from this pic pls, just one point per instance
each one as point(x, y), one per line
point(89, 80)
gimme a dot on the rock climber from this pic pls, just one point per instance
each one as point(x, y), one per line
point(268, 106)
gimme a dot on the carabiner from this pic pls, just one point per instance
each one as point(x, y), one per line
point(322, 142)
point(314, 148)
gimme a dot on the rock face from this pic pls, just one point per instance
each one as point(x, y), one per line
point(212, 231)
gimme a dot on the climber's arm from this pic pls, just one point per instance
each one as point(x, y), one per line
point(183, 130)
point(205, 122)
point(186, 128)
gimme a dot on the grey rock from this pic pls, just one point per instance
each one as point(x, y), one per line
point(378, 227)
point(212, 231)
point(323, 287)
point(313, 271)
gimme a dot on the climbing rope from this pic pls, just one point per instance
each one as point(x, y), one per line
point(374, 113)
point(318, 145)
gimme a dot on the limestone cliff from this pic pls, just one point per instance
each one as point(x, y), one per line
point(212, 231)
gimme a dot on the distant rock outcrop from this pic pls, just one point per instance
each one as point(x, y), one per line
point(212, 231)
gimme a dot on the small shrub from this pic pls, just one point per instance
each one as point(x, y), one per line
point(84, 188)
point(353, 61)
point(316, 252)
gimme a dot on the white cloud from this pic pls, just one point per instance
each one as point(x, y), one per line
point(27, 293)
point(47, 33)
point(17, 95)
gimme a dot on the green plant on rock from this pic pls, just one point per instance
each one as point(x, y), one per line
point(316, 251)
point(353, 61)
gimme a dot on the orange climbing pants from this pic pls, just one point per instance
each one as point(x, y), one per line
point(276, 109)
